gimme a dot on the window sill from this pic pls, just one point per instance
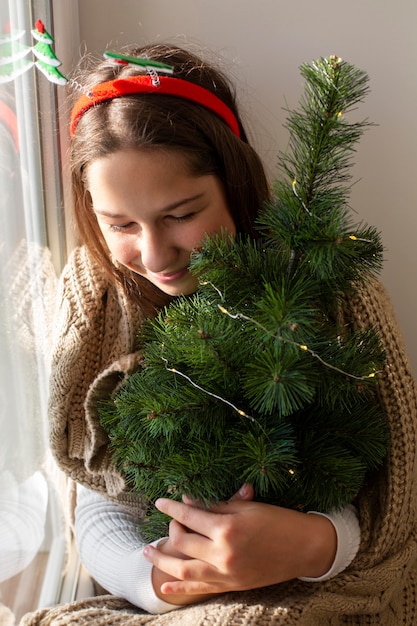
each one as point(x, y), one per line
point(43, 584)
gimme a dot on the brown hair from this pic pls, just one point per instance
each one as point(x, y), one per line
point(152, 121)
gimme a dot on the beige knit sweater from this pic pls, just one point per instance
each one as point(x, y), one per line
point(96, 347)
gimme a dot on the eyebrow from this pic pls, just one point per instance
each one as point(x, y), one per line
point(170, 207)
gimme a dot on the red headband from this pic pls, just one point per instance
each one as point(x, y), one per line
point(143, 84)
point(8, 117)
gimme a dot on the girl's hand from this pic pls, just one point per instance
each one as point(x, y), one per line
point(237, 545)
point(159, 577)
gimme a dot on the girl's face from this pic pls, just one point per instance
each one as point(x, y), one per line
point(153, 212)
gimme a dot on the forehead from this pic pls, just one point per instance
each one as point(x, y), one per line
point(142, 161)
point(145, 181)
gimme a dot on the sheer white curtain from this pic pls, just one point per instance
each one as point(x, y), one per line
point(31, 522)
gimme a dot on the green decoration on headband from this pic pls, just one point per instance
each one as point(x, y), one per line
point(122, 59)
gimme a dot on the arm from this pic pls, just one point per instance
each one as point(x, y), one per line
point(95, 332)
point(112, 550)
point(244, 545)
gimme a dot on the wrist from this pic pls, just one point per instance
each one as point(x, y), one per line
point(320, 546)
point(348, 533)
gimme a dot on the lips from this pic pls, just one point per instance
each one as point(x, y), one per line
point(169, 277)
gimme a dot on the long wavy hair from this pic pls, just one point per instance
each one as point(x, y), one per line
point(155, 122)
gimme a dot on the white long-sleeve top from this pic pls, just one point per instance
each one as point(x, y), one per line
point(111, 549)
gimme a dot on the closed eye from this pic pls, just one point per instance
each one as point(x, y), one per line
point(178, 219)
point(181, 218)
point(119, 228)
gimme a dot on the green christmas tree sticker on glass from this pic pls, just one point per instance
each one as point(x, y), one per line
point(13, 53)
point(46, 62)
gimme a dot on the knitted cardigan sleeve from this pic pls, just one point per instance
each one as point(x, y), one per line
point(94, 349)
point(382, 579)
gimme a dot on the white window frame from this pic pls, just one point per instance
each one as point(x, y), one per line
point(42, 120)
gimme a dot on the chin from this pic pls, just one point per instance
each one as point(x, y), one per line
point(179, 290)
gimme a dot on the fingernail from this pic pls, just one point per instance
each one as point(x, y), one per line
point(244, 490)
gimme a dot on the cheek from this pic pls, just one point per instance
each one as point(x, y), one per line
point(120, 248)
point(230, 225)
point(223, 222)
point(217, 221)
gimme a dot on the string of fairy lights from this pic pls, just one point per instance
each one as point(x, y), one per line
point(303, 347)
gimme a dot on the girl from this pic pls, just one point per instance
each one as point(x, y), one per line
point(157, 162)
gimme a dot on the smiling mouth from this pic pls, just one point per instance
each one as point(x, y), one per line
point(170, 277)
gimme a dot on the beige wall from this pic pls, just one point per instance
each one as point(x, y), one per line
point(263, 42)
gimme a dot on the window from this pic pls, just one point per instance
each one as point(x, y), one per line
point(33, 533)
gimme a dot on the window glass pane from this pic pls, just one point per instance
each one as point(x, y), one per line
point(32, 530)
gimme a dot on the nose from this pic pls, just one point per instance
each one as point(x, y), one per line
point(157, 251)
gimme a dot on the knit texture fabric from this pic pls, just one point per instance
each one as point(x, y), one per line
point(96, 347)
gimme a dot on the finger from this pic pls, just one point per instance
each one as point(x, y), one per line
point(246, 492)
point(198, 520)
point(191, 545)
point(187, 500)
point(182, 569)
point(188, 587)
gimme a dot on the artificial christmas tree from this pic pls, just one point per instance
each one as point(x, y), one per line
point(258, 376)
